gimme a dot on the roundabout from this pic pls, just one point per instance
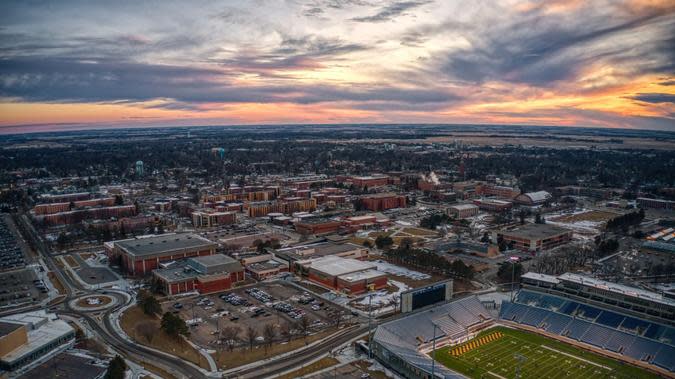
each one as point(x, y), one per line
point(90, 303)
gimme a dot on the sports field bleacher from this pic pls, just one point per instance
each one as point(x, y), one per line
point(623, 334)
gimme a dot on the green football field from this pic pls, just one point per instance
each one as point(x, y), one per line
point(535, 355)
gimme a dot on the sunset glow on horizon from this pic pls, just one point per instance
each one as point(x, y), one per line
point(78, 64)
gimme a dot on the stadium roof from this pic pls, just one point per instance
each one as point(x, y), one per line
point(163, 243)
point(617, 288)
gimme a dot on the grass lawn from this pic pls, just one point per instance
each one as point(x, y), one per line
point(314, 367)
point(160, 341)
point(541, 357)
point(242, 355)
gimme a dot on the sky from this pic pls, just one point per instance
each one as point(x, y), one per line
point(68, 65)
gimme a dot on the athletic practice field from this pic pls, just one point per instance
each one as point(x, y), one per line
point(499, 352)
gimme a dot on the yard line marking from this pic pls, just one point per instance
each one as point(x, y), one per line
point(578, 358)
point(497, 375)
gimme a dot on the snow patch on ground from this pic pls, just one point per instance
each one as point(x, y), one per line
point(400, 271)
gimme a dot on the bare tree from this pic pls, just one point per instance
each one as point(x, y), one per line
point(251, 334)
point(269, 332)
point(285, 331)
point(230, 334)
point(146, 329)
point(303, 326)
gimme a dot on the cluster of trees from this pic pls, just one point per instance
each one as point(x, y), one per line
point(173, 325)
point(261, 245)
point(435, 220)
point(509, 271)
point(406, 254)
point(116, 368)
point(606, 247)
point(384, 242)
point(148, 303)
point(626, 221)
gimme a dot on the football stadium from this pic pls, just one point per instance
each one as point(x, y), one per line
point(567, 326)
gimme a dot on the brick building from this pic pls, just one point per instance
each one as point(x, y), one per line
point(345, 274)
point(139, 256)
point(461, 211)
point(533, 237)
point(383, 201)
point(209, 218)
point(493, 205)
point(317, 226)
point(207, 274)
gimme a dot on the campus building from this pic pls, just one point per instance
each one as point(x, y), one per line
point(207, 274)
point(383, 201)
point(493, 205)
point(532, 199)
point(644, 202)
point(344, 274)
point(533, 237)
point(462, 211)
point(139, 256)
point(26, 337)
point(209, 218)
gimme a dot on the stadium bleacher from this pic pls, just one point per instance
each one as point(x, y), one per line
point(627, 335)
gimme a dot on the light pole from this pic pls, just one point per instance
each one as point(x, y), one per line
point(370, 317)
point(433, 355)
point(513, 274)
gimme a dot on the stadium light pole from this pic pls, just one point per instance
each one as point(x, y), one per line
point(513, 274)
point(433, 355)
point(370, 318)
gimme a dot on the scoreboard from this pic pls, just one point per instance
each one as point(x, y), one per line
point(422, 297)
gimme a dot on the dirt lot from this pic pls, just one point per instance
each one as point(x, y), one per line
point(212, 313)
point(71, 261)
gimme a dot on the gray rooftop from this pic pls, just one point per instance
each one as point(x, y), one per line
point(163, 243)
point(8, 327)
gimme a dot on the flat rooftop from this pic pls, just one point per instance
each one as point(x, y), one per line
point(67, 365)
point(8, 327)
point(535, 231)
point(336, 266)
point(162, 243)
point(361, 275)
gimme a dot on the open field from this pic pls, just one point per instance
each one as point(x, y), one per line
point(498, 352)
point(134, 316)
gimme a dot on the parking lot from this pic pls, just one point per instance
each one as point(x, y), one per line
point(94, 275)
point(11, 256)
point(21, 287)
point(276, 303)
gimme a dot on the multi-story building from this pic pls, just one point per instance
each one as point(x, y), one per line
point(533, 237)
point(139, 256)
point(644, 202)
point(207, 274)
point(65, 198)
point(210, 219)
point(317, 226)
point(72, 217)
point(493, 205)
point(383, 201)
point(504, 192)
point(461, 211)
point(48, 208)
point(288, 205)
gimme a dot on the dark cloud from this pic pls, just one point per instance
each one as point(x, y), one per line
point(85, 81)
point(391, 11)
point(655, 98)
point(540, 49)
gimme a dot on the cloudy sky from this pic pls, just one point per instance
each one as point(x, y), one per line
point(77, 64)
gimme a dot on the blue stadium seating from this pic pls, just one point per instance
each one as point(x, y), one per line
point(665, 358)
point(569, 307)
point(639, 326)
point(610, 319)
point(588, 312)
point(668, 335)
point(527, 297)
point(576, 329)
point(654, 331)
point(551, 302)
point(556, 323)
point(619, 341)
point(596, 335)
point(643, 349)
point(534, 316)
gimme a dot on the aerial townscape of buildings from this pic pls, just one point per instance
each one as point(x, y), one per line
point(210, 257)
